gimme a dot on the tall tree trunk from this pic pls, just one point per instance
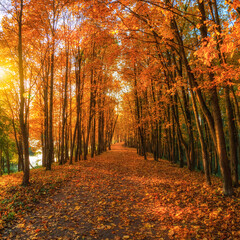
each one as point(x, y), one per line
point(22, 116)
point(202, 142)
point(99, 128)
point(1, 169)
point(64, 113)
point(221, 146)
point(73, 143)
point(93, 147)
point(112, 132)
point(102, 131)
point(89, 118)
point(137, 106)
point(70, 118)
point(232, 138)
point(20, 156)
point(46, 118)
point(50, 156)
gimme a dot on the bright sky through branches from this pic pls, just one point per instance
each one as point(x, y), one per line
point(2, 72)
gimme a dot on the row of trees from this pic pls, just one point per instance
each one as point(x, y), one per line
point(182, 69)
point(58, 84)
point(179, 67)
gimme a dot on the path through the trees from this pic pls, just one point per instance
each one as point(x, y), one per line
point(119, 195)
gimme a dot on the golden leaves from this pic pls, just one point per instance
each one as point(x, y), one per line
point(208, 52)
point(114, 32)
point(121, 194)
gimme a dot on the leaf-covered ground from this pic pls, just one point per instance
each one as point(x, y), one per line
point(118, 195)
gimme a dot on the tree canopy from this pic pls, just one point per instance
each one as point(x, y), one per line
point(160, 75)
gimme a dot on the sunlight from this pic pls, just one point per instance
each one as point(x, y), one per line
point(5, 79)
point(2, 72)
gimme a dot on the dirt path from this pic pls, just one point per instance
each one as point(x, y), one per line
point(118, 195)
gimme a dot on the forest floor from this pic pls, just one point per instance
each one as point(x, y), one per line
point(117, 195)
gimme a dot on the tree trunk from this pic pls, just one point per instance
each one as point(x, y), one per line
point(202, 142)
point(1, 170)
point(7, 158)
point(221, 146)
point(93, 147)
point(50, 155)
point(22, 117)
point(64, 114)
point(232, 138)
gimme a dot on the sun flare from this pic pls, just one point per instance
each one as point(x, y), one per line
point(2, 72)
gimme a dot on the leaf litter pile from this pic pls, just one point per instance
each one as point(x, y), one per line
point(117, 195)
